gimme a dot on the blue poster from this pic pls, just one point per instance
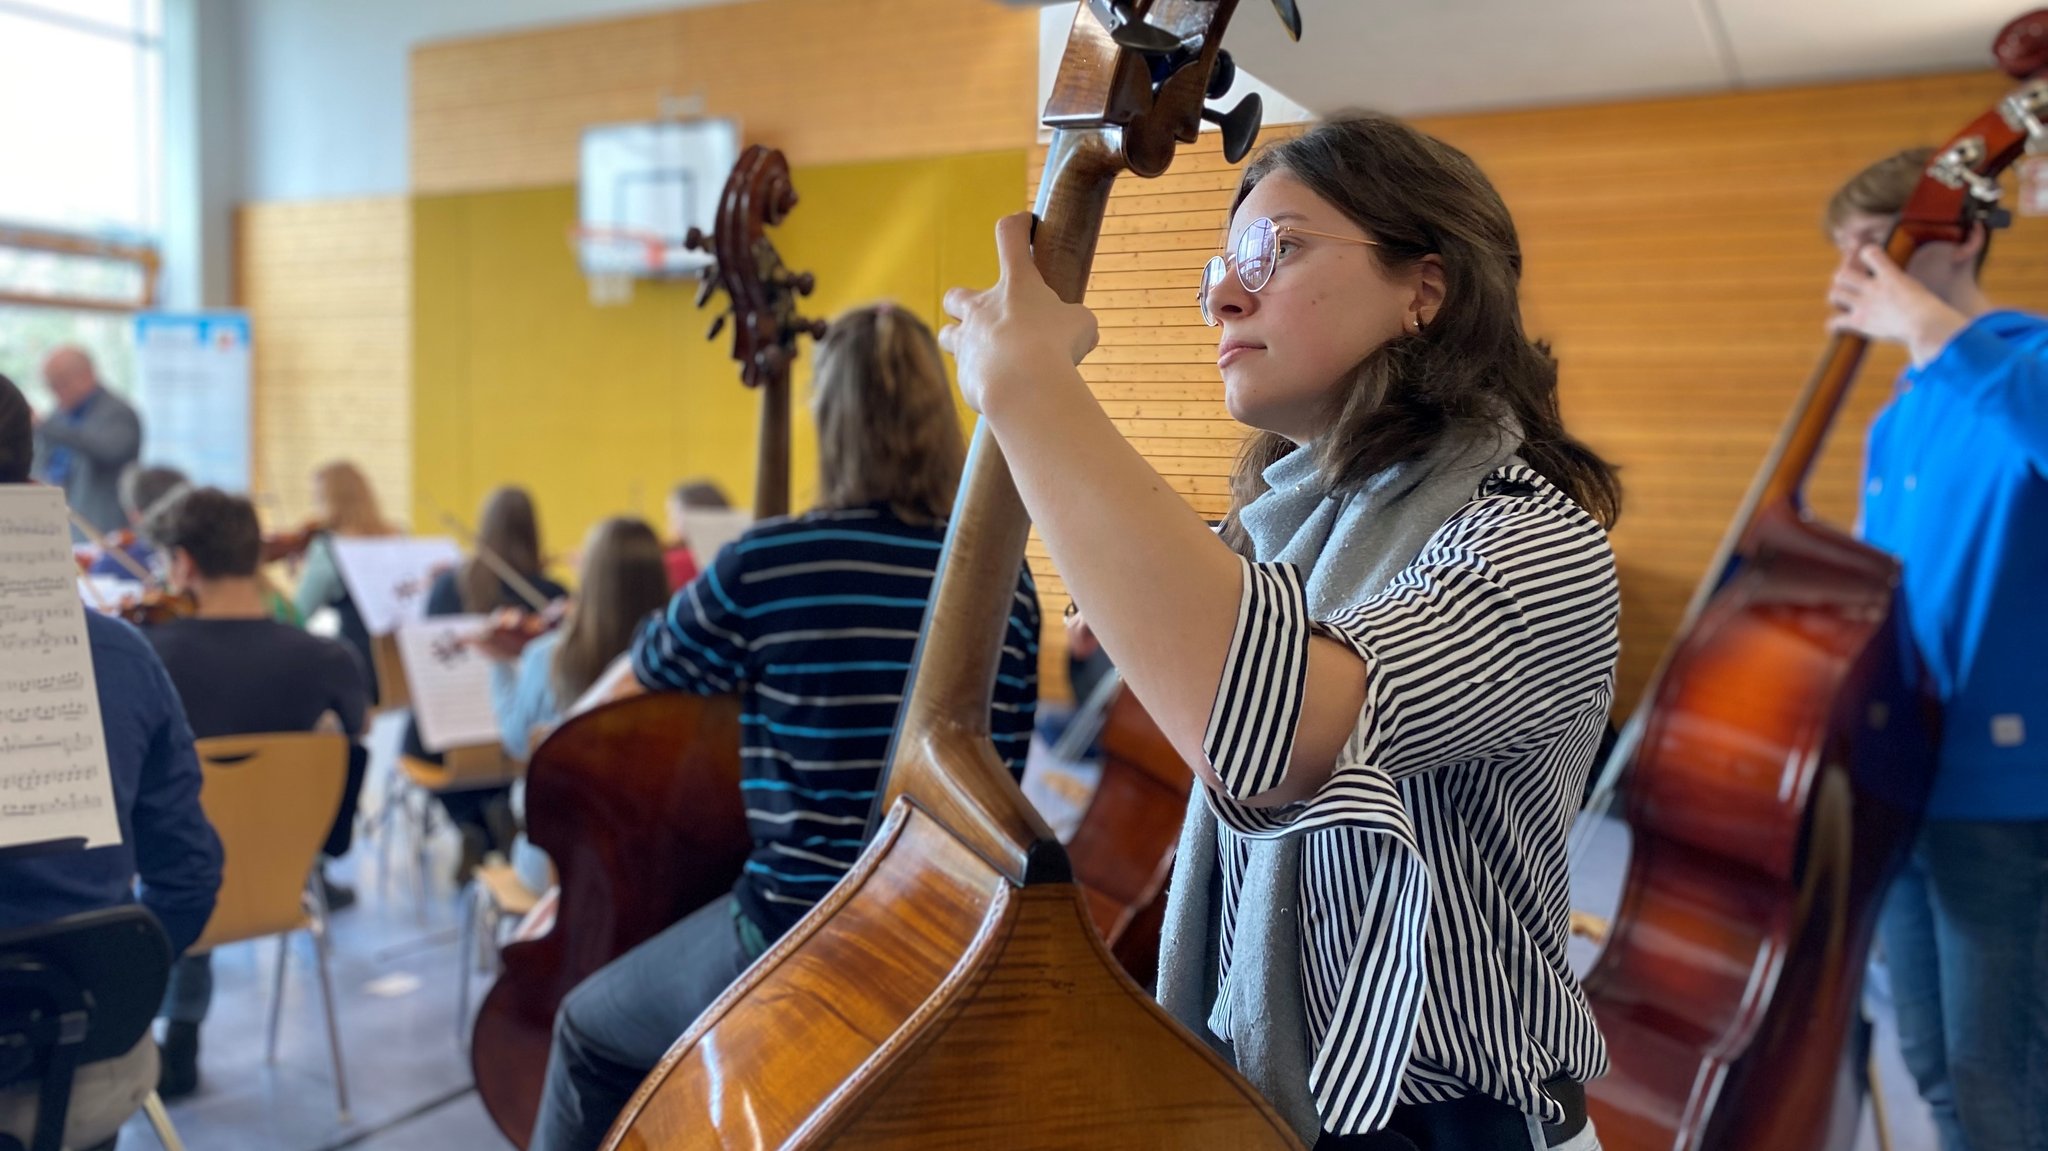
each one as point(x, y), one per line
point(192, 387)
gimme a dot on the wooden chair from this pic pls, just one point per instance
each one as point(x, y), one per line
point(419, 780)
point(272, 799)
point(494, 896)
point(394, 691)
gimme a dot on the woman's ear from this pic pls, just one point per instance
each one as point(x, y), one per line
point(1429, 287)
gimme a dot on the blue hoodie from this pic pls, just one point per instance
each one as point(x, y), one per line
point(1956, 486)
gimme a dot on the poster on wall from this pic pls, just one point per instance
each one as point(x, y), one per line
point(192, 386)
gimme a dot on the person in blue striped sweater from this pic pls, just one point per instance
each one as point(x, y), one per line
point(813, 620)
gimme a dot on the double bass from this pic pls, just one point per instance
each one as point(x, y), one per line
point(1777, 771)
point(950, 990)
point(637, 801)
point(1122, 851)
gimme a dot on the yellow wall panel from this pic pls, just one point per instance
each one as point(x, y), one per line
point(328, 290)
point(600, 410)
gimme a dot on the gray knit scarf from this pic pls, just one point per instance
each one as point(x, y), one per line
point(1350, 547)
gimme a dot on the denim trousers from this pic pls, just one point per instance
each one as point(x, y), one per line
point(1965, 935)
point(617, 1024)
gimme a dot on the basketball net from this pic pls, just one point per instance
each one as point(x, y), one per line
point(612, 260)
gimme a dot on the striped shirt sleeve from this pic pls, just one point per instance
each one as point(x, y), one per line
point(698, 643)
point(1506, 611)
point(1015, 705)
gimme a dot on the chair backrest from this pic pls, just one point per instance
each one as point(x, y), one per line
point(394, 691)
point(110, 964)
point(272, 798)
point(479, 765)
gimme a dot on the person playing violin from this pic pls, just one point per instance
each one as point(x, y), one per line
point(687, 496)
point(812, 619)
point(1391, 668)
point(541, 666)
point(141, 488)
point(508, 531)
point(1956, 486)
point(241, 672)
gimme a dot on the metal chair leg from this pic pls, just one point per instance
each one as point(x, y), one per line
point(465, 959)
point(284, 950)
point(160, 1121)
point(320, 953)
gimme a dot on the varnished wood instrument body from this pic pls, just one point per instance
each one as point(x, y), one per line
point(951, 992)
point(1122, 852)
point(642, 817)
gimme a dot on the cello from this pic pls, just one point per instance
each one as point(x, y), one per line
point(1122, 851)
point(637, 801)
point(950, 990)
point(1778, 772)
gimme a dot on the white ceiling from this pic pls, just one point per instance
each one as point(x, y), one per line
point(1430, 56)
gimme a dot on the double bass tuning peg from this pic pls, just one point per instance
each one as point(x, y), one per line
point(1132, 32)
point(696, 241)
point(717, 326)
point(1240, 126)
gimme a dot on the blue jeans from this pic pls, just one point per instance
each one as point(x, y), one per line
point(190, 990)
point(616, 1025)
point(1965, 933)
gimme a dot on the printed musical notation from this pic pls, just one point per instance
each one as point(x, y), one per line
point(54, 778)
point(389, 578)
point(450, 681)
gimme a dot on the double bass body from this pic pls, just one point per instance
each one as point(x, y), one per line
point(1778, 782)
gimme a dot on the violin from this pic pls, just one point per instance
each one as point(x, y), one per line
point(637, 800)
point(158, 605)
point(1777, 771)
point(950, 991)
point(281, 546)
point(511, 629)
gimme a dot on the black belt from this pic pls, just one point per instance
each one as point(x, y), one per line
point(1473, 1123)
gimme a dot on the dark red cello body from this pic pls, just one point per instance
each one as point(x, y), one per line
point(1776, 779)
point(637, 801)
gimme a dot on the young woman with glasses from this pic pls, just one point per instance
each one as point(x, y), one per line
point(1392, 668)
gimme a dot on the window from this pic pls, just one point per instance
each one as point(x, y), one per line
point(81, 141)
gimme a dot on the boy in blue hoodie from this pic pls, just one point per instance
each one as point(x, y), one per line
point(1956, 486)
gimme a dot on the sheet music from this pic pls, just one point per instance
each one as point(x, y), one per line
point(709, 529)
point(54, 779)
point(450, 681)
point(389, 577)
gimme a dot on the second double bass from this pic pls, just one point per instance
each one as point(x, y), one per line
point(637, 801)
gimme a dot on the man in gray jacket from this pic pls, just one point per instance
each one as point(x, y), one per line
point(93, 435)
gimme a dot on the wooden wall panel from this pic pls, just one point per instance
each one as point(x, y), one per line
point(328, 286)
point(1674, 261)
point(827, 81)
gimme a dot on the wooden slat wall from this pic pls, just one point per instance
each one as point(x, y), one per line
point(1673, 260)
point(328, 286)
point(827, 81)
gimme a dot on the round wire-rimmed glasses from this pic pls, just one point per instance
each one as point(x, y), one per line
point(1257, 255)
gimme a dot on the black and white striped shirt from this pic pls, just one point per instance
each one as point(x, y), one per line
point(1434, 892)
point(814, 620)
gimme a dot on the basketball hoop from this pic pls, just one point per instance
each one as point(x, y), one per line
point(612, 259)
